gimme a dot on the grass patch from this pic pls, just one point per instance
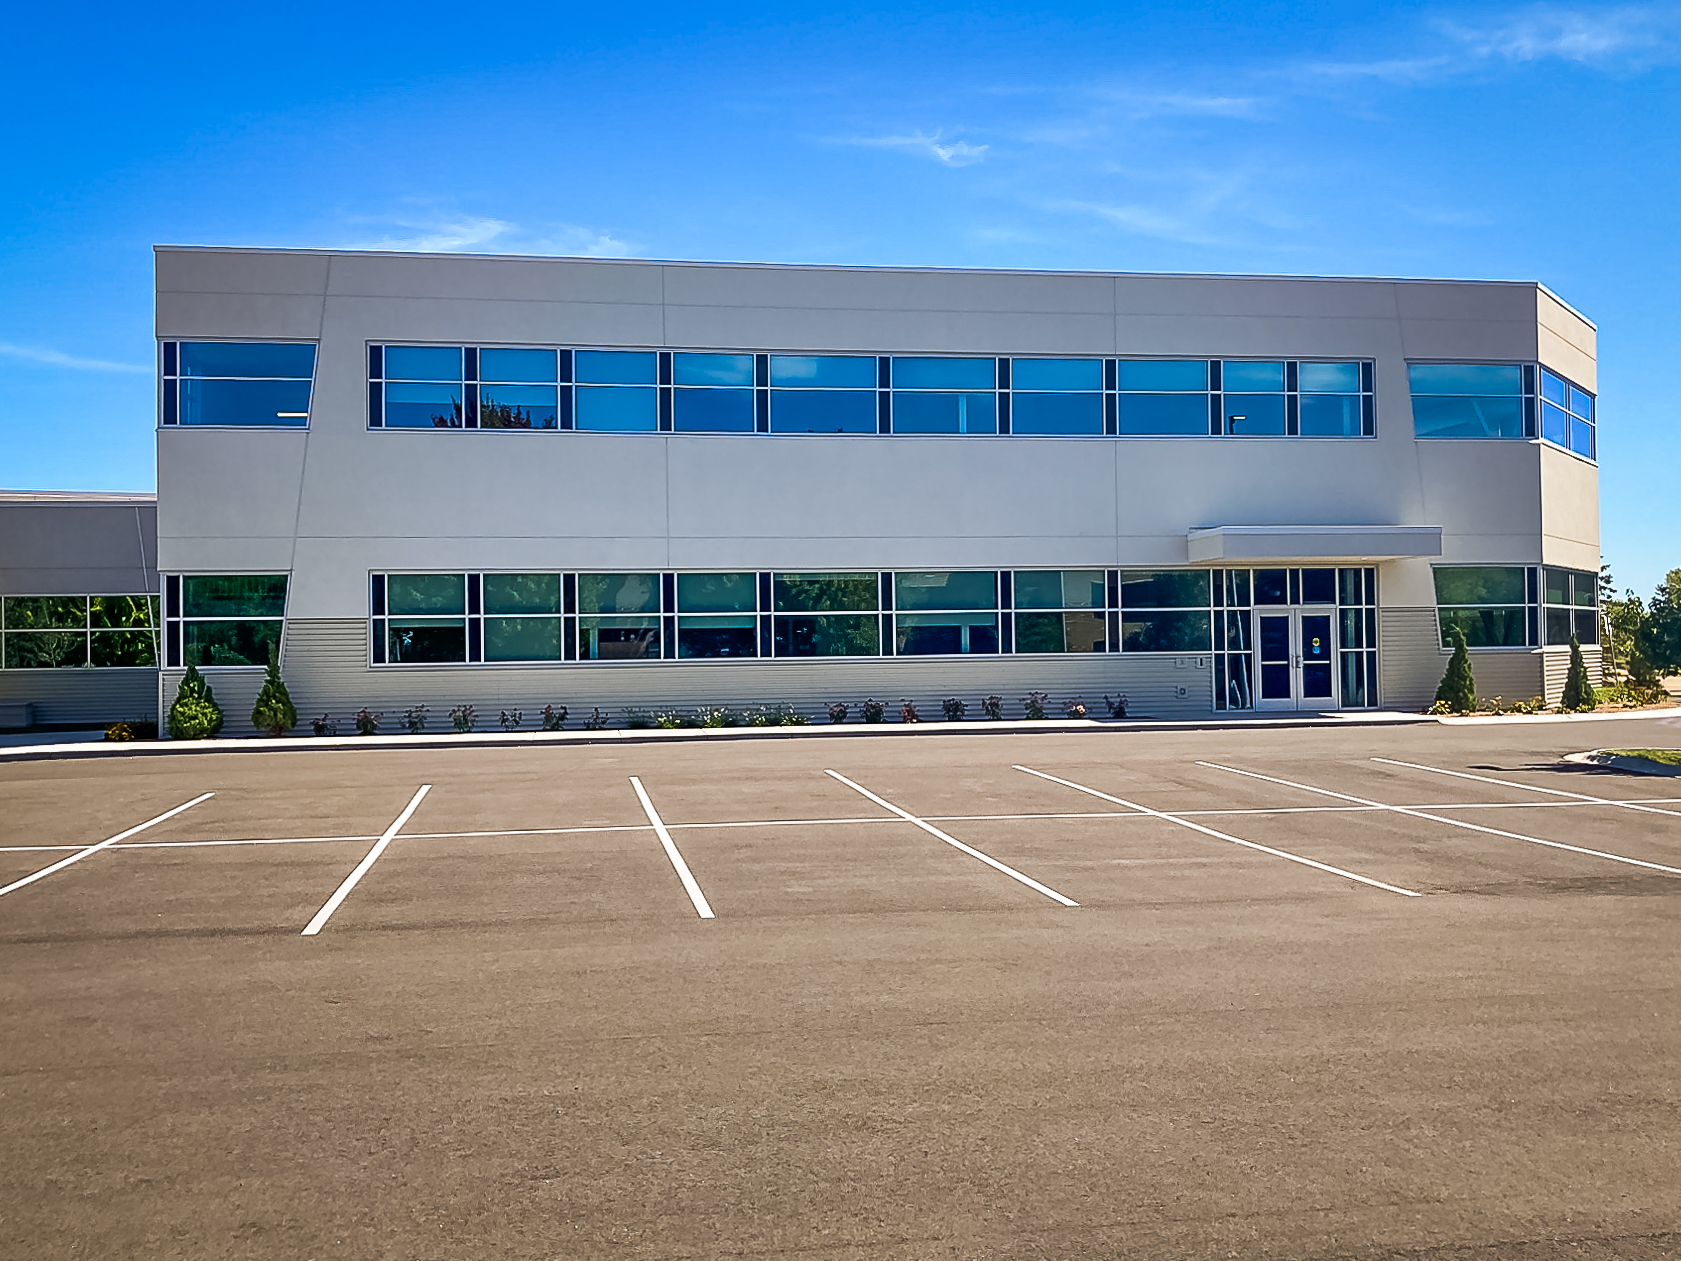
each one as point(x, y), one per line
point(1669, 757)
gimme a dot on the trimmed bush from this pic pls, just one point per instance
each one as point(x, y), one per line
point(1578, 692)
point(1458, 690)
point(274, 711)
point(194, 715)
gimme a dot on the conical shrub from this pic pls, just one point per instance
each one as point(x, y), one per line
point(1458, 690)
point(1578, 691)
point(274, 711)
point(195, 714)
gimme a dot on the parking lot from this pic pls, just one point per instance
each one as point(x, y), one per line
point(1360, 992)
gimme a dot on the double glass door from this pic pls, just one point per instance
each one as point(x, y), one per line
point(1297, 656)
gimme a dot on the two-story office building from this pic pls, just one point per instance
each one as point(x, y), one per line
point(510, 482)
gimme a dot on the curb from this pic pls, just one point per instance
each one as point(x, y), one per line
point(625, 735)
point(1634, 765)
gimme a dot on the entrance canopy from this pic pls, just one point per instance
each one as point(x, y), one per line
point(1262, 543)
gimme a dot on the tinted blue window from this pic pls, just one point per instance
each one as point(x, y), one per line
point(1467, 417)
point(1553, 389)
point(1327, 378)
point(1466, 378)
point(1056, 374)
point(714, 411)
point(1251, 376)
point(944, 374)
point(216, 402)
point(1162, 374)
point(516, 365)
point(615, 367)
point(1555, 424)
point(423, 363)
point(1163, 414)
point(1254, 414)
point(1057, 413)
point(823, 371)
point(1581, 402)
point(1581, 438)
point(944, 413)
point(1330, 416)
point(246, 359)
point(617, 409)
point(422, 406)
point(713, 369)
point(517, 407)
point(822, 411)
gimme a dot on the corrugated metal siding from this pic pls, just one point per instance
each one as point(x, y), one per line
point(1558, 667)
point(326, 672)
point(86, 695)
point(1512, 676)
point(1410, 660)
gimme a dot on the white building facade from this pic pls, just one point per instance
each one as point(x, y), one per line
point(626, 485)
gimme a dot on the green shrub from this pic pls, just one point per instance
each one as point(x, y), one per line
point(1458, 689)
point(1578, 692)
point(274, 711)
point(194, 715)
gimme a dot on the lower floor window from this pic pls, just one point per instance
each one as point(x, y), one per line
point(1516, 606)
point(56, 631)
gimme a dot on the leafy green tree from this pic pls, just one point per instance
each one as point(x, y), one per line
point(1458, 690)
point(274, 711)
point(1660, 638)
point(1578, 691)
point(195, 714)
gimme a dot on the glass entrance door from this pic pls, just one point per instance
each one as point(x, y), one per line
point(1296, 659)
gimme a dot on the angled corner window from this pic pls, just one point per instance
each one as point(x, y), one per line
point(1567, 415)
point(225, 619)
point(1472, 400)
point(237, 384)
point(1492, 605)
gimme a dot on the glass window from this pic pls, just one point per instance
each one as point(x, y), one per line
point(426, 641)
point(1060, 589)
point(1182, 630)
point(1251, 376)
point(823, 411)
point(826, 372)
point(247, 359)
point(521, 638)
point(1159, 375)
point(1255, 415)
point(618, 638)
point(224, 595)
point(1581, 402)
point(721, 635)
point(407, 594)
point(942, 590)
point(123, 611)
point(409, 406)
point(944, 413)
point(1054, 414)
point(125, 648)
point(1272, 586)
point(245, 403)
point(1056, 374)
point(692, 369)
point(46, 612)
point(617, 410)
point(932, 634)
point(423, 363)
point(518, 407)
point(45, 650)
point(1328, 378)
point(1163, 414)
point(618, 593)
point(230, 643)
point(713, 411)
point(615, 367)
point(521, 593)
point(1556, 584)
point(811, 593)
point(1492, 602)
point(1060, 632)
point(1485, 379)
point(1487, 627)
point(1553, 389)
point(1480, 584)
point(1164, 589)
point(944, 374)
point(828, 635)
point(717, 593)
point(1319, 586)
point(1460, 400)
point(516, 365)
point(1330, 416)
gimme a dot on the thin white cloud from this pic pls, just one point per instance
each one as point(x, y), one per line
point(946, 152)
point(1185, 105)
point(468, 234)
point(58, 359)
point(1186, 228)
point(1638, 35)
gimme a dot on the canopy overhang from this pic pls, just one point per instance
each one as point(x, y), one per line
point(1249, 543)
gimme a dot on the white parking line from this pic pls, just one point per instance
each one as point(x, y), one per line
point(970, 850)
point(1456, 823)
point(77, 857)
point(1222, 836)
point(690, 886)
point(1551, 792)
point(343, 891)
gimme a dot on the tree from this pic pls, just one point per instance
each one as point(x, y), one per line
point(274, 711)
point(1458, 690)
point(1578, 691)
point(1660, 638)
point(194, 715)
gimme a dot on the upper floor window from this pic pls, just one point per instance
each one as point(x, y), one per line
point(1473, 400)
point(239, 384)
point(464, 387)
point(1567, 415)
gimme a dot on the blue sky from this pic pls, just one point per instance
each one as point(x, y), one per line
point(1530, 142)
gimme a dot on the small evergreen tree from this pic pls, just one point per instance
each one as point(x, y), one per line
point(1578, 692)
point(194, 714)
point(274, 711)
point(1458, 690)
